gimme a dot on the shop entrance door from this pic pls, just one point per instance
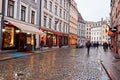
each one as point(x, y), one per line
point(21, 42)
point(60, 41)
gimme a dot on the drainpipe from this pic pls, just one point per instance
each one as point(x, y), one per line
point(68, 24)
point(40, 14)
point(2, 24)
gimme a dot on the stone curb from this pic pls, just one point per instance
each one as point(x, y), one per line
point(111, 77)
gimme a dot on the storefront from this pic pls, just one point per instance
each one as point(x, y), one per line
point(54, 39)
point(18, 36)
point(72, 39)
point(113, 34)
point(65, 39)
point(118, 38)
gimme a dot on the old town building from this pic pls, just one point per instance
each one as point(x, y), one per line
point(21, 25)
point(73, 23)
point(54, 22)
point(96, 32)
point(88, 25)
point(105, 30)
point(115, 25)
point(81, 30)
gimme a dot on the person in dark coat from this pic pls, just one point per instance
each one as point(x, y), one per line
point(41, 43)
point(97, 45)
point(88, 45)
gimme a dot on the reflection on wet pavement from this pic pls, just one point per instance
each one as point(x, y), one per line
point(62, 64)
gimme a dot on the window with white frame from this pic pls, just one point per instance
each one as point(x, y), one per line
point(50, 4)
point(35, 1)
point(61, 2)
point(10, 8)
point(64, 27)
point(23, 13)
point(32, 17)
point(45, 4)
point(64, 3)
point(60, 26)
point(55, 10)
point(45, 20)
point(64, 15)
point(50, 22)
point(60, 12)
point(55, 26)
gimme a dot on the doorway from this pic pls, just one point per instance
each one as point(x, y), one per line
point(21, 42)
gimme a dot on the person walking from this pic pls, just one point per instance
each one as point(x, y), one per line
point(97, 45)
point(41, 44)
point(88, 45)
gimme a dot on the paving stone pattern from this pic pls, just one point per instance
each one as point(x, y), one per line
point(62, 64)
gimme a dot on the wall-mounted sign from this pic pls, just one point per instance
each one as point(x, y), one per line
point(114, 29)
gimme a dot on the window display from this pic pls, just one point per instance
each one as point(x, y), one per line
point(54, 40)
point(9, 37)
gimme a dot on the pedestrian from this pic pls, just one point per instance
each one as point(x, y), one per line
point(97, 45)
point(35, 44)
point(88, 45)
point(105, 46)
point(41, 44)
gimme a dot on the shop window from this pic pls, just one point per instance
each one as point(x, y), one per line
point(8, 37)
point(54, 40)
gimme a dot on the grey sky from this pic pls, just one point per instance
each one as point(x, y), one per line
point(93, 10)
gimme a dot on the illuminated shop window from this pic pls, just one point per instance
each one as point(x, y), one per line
point(8, 37)
point(54, 40)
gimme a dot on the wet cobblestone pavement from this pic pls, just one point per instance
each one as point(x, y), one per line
point(62, 64)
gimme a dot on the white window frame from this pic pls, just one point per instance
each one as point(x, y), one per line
point(26, 17)
point(32, 9)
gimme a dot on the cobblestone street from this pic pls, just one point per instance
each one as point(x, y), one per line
point(60, 64)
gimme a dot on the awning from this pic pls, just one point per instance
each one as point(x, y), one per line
point(25, 27)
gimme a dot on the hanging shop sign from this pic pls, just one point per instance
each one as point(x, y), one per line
point(114, 29)
point(110, 33)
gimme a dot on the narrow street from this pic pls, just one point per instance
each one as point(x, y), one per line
point(60, 64)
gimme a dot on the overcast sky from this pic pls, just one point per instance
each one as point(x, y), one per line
point(93, 10)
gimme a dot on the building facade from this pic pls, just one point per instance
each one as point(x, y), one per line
point(96, 32)
point(105, 29)
point(88, 25)
point(73, 23)
point(115, 25)
point(1, 2)
point(81, 30)
point(54, 22)
point(21, 25)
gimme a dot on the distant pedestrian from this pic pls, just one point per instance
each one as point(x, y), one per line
point(88, 45)
point(35, 44)
point(41, 44)
point(97, 45)
point(105, 46)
